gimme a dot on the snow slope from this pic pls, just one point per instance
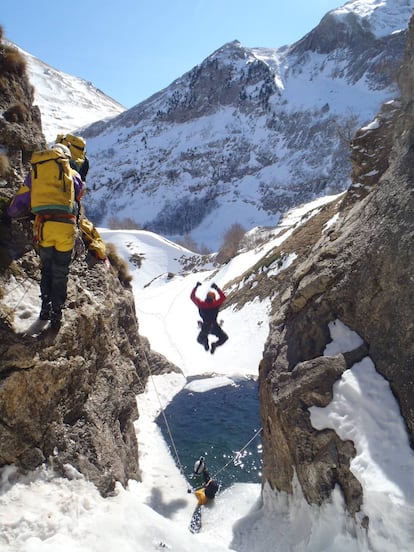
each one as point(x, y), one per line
point(66, 102)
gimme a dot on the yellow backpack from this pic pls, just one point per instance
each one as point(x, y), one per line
point(77, 146)
point(52, 183)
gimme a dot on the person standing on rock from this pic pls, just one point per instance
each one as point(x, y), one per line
point(51, 192)
point(208, 310)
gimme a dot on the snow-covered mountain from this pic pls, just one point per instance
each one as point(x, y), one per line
point(249, 132)
point(66, 102)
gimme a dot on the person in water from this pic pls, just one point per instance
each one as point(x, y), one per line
point(209, 490)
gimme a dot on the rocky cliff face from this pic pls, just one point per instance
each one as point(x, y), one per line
point(359, 271)
point(68, 400)
point(20, 125)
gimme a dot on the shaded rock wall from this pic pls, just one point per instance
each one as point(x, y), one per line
point(20, 123)
point(360, 271)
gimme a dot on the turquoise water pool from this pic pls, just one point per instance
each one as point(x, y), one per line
point(217, 424)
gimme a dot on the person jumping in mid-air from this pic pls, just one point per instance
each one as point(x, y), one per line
point(208, 310)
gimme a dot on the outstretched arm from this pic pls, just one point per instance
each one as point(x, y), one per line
point(206, 475)
point(193, 296)
point(222, 295)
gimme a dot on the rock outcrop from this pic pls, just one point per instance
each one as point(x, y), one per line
point(20, 124)
point(359, 269)
point(71, 399)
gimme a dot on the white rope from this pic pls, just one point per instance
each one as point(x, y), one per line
point(189, 488)
point(238, 453)
point(25, 289)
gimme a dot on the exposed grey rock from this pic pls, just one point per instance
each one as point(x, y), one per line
point(290, 443)
point(71, 399)
point(361, 272)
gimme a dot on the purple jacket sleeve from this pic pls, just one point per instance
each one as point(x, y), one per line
point(78, 185)
point(20, 204)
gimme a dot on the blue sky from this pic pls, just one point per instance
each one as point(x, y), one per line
point(131, 49)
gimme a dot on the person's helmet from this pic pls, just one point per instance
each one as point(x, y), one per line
point(63, 149)
point(199, 466)
point(211, 296)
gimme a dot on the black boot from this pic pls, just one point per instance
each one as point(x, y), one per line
point(45, 310)
point(56, 318)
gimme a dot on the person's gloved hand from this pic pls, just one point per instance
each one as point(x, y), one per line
point(214, 286)
point(198, 284)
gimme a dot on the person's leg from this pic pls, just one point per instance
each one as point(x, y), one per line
point(46, 259)
point(202, 337)
point(201, 497)
point(60, 272)
point(220, 334)
point(62, 236)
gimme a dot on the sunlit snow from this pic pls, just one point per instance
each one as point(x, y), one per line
point(41, 512)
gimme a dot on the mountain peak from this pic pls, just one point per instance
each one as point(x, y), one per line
point(356, 25)
point(67, 103)
point(232, 45)
point(380, 17)
point(230, 51)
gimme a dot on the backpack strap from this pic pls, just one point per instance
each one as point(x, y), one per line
point(34, 166)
